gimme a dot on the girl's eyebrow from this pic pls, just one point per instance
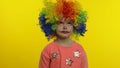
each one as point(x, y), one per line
point(60, 22)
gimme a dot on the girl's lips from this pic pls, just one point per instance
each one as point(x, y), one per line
point(65, 32)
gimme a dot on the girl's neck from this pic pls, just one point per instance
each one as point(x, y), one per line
point(64, 42)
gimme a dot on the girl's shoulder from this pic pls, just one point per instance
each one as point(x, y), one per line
point(79, 46)
point(49, 47)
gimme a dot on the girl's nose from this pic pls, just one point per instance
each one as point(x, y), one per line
point(64, 26)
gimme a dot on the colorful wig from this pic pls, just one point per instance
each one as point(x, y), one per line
point(69, 9)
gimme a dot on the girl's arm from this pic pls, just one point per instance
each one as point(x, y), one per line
point(84, 63)
point(44, 60)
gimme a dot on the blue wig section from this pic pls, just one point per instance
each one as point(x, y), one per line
point(81, 29)
point(46, 27)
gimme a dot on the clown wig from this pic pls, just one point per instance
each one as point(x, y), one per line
point(69, 9)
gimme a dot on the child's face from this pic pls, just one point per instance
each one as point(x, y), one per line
point(64, 28)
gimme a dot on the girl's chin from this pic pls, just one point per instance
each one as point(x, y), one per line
point(64, 36)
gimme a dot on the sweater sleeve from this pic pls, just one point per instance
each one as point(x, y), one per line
point(44, 59)
point(84, 63)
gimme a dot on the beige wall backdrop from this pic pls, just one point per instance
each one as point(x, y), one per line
point(21, 39)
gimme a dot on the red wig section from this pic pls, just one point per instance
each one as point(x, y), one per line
point(66, 9)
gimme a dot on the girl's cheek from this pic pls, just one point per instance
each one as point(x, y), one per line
point(59, 28)
point(71, 28)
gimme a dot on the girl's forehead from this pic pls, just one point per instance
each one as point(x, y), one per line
point(65, 20)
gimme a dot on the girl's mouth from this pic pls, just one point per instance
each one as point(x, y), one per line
point(65, 32)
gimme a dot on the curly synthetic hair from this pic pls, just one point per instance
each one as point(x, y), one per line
point(69, 9)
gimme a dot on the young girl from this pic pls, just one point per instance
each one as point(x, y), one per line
point(61, 20)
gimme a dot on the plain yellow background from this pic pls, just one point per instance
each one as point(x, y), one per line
point(21, 39)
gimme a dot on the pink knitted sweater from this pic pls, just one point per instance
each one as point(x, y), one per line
point(57, 56)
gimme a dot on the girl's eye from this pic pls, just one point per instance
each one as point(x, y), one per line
point(60, 22)
point(69, 23)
